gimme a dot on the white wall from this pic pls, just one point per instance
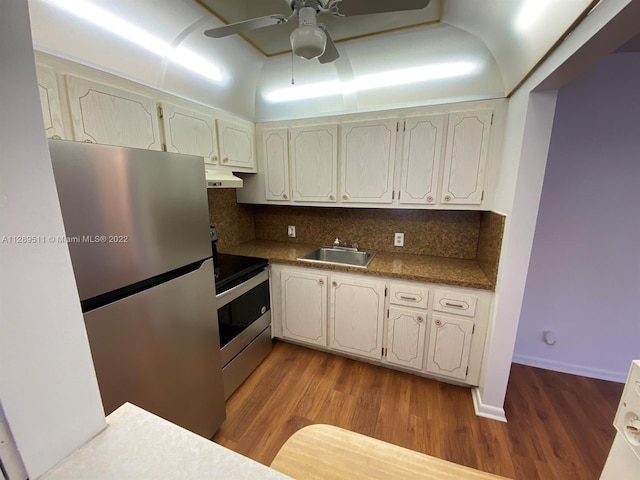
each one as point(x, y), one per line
point(406, 49)
point(176, 23)
point(584, 276)
point(48, 387)
point(524, 157)
point(516, 44)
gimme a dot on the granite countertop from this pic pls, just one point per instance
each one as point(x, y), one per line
point(138, 445)
point(422, 268)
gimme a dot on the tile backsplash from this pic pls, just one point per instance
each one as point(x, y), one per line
point(234, 222)
point(490, 243)
point(452, 234)
point(470, 235)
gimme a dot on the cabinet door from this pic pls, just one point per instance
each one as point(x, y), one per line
point(304, 307)
point(314, 163)
point(103, 114)
point(186, 131)
point(466, 157)
point(50, 102)
point(237, 146)
point(367, 156)
point(356, 316)
point(275, 159)
point(421, 156)
point(405, 338)
point(449, 347)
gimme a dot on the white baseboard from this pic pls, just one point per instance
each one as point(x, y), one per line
point(620, 377)
point(486, 411)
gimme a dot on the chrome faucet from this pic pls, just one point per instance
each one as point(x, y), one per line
point(344, 244)
point(339, 243)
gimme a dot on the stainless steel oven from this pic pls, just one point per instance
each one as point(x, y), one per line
point(244, 316)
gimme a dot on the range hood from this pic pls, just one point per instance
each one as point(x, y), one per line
point(220, 177)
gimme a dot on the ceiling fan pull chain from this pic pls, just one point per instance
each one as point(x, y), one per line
point(293, 82)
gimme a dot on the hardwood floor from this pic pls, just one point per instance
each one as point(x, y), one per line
point(559, 425)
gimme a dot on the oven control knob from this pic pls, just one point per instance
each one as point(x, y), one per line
point(263, 310)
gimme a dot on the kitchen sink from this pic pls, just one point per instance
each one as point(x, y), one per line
point(351, 257)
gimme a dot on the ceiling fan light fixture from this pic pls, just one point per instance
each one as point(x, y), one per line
point(308, 41)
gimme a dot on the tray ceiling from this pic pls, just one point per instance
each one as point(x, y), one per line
point(275, 39)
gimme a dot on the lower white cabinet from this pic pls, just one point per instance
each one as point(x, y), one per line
point(450, 346)
point(356, 316)
point(304, 306)
point(405, 338)
point(394, 323)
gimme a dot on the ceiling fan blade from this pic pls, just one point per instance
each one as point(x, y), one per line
point(246, 25)
point(330, 51)
point(365, 7)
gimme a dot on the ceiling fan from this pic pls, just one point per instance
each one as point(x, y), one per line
point(311, 39)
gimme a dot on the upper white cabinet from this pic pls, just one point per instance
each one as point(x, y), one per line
point(50, 102)
point(466, 157)
point(421, 154)
point(190, 132)
point(275, 162)
point(237, 145)
point(367, 156)
point(356, 315)
point(121, 112)
point(314, 163)
point(428, 157)
point(107, 115)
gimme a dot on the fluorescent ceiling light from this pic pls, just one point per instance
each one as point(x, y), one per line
point(530, 12)
point(134, 34)
point(373, 81)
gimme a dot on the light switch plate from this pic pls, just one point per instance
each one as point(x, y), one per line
point(291, 231)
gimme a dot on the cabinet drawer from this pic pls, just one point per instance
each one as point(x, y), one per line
point(456, 303)
point(408, 296)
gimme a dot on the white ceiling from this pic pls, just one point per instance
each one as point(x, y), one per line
point(490, 34)
point(275, 39)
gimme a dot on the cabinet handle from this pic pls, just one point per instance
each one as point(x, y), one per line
point(447, 198)
point(420, 319)
point(334, 283)
point(454, 305)
point(413, 299)
point(214, 158)
point(56, 137)
point(225, 159)
point(430, 199)
point(321, 282)
point(345, 197)
point(633, 427)
point(284, 195)
point(331, 197)
point(438, 323)
point(88, 140)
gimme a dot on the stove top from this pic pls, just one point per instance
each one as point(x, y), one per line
point(232, 270)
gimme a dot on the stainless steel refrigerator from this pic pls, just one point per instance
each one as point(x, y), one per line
point(137, 226)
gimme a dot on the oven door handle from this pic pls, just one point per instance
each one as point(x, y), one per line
point(233, 293)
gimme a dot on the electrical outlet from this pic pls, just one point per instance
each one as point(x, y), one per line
point(291, 230)
point(398, 240)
